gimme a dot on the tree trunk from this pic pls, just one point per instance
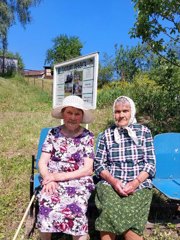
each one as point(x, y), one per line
point(4, 43)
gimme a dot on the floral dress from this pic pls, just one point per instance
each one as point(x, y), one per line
point(65, 210)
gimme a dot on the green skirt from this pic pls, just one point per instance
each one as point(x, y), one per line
point(118, 214)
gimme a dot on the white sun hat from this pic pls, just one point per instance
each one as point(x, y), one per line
point(76, 102)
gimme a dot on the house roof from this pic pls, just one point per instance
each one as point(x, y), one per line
point(33, 72)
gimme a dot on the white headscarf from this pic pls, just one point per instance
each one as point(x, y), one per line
point(132, 120)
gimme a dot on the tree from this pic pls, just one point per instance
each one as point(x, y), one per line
point(106, 70)
point(157, 24)
point(129, 61)
point(6, 18)
point(9, 12)
point(11, 67)
point(64, 48)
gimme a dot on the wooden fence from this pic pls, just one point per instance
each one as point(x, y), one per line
point(42, 83)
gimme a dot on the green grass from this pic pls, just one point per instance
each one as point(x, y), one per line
point(24, 110)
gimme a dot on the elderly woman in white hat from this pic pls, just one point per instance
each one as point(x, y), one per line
point(66, 167)
point(125, 164)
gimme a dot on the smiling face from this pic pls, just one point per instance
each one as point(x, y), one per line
point(122, 114)
point(72, 118)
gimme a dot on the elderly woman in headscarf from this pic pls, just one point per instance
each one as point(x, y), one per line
point(125, 164)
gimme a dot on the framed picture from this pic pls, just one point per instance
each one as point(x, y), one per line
point(77, 76)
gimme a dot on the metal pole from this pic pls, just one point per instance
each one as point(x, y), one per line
point(32, 184)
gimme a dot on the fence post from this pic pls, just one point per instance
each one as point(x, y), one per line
point(51, 88)
point(42, 84)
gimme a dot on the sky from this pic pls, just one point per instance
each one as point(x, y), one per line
point(99, 24)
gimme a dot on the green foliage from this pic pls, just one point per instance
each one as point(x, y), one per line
point(10, 10)
point(22, 8)
point(157, 105)
point(20, 62)
point(64, 48)
point(106, 70)
point(149, 99)
point(157, 23)
point(6, 18)
point(129, 61)
point(110, 92)
point(168, 98)
point(166, 234)
point(11, 71)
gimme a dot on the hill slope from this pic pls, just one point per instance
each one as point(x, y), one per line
point(24, 110)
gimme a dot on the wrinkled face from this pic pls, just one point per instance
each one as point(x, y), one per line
point(72, 117)
point(122, 114)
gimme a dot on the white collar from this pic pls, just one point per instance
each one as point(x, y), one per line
point(131, 133)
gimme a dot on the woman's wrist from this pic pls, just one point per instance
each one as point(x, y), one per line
point(139, 180)
point(44, 174)
point(59, 176)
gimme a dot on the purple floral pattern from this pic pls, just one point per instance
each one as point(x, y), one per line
point(65, 210)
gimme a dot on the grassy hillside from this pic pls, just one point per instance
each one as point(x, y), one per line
point(24, 110)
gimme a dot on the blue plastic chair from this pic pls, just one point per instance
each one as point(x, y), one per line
point(36, 178)
point(167, 150)
point(35, 184)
